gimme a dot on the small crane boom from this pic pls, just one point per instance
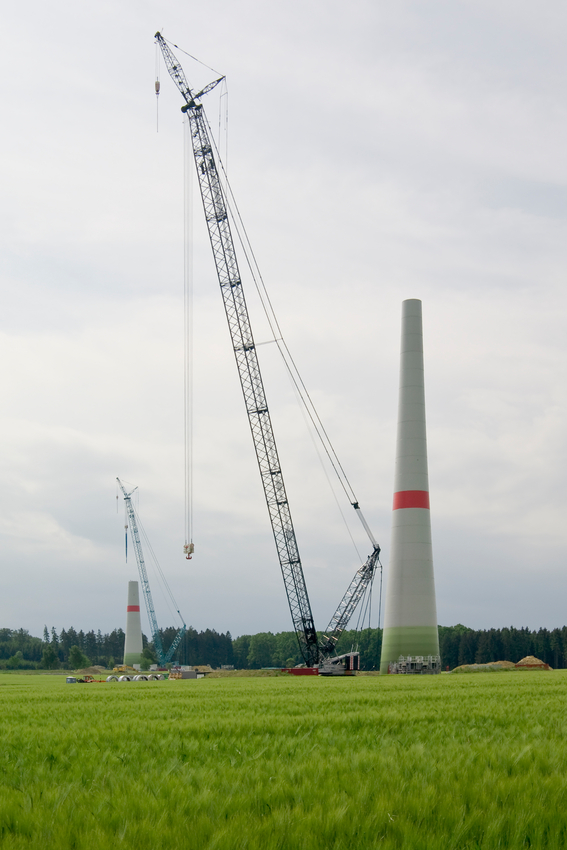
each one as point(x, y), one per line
point(163, 658)
point(348, 604)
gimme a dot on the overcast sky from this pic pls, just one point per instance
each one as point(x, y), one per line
point(378, 151)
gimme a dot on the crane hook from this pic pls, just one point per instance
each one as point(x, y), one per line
point(188, 549)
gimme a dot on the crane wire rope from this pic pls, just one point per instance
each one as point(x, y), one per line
point(323, 467)
point(275, 328)
point(369, 605)
point(223, 127)
point(380, 596)
point(270, 313)
point(157, 84)
point(188, 313)
point(190, 55)
point(188, 335)
point(365, 608)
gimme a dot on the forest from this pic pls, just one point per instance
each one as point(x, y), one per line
point(70, 649)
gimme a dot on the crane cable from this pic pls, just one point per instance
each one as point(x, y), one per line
point(296, 379)
point(223, 128)
point(323, 467)
point(157, 85)
point(189, 547)
point(191, 56)
point(273, 323)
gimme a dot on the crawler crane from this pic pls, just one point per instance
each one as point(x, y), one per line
point(315, 653)
point(163, 657)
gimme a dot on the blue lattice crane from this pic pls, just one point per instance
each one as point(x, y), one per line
point(163, 657)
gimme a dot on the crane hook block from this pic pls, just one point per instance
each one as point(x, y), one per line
point(188, 549)
point(157, 87)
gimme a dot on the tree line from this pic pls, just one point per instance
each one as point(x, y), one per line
point(458, 645)
point(461, 645)
point(20, 650)
point(71, 649)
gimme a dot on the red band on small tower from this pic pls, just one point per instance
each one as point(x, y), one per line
point(133, 608)
point(411, 499)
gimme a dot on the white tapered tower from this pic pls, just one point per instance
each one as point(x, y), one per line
point(133, 642)
point(410, 619)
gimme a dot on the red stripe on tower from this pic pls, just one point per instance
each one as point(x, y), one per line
point(411, 499)
point(133, 608)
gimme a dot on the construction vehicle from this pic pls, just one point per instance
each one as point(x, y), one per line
point(133, 522)
point(315, 653)
point(83, 680)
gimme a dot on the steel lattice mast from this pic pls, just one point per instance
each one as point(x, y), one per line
point(163, 658)
point(216, 215)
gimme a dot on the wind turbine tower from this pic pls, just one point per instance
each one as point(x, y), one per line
point(410, 641)
point(133, 641)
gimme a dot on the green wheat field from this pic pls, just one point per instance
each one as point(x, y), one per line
point(389, 762)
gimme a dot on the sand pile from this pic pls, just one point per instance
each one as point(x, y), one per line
point(527, 663)
point(533, 662)
point(490, 665)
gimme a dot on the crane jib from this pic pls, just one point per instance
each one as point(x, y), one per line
point(236, 310)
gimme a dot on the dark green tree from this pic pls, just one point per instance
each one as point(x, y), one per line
point(49, 659)
point(77, 658)
point(262, 650)
point(287, 652)
point(240, 647)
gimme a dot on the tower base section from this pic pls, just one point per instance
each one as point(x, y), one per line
point(408, 640)
point(416, 664)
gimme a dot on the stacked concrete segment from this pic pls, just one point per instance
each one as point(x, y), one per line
point(133, 642)
point(410, 620)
